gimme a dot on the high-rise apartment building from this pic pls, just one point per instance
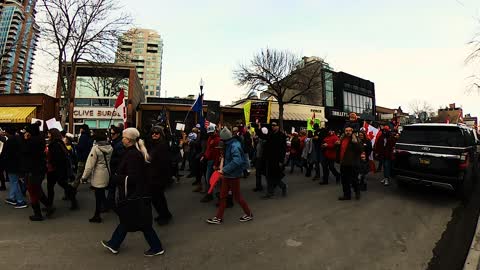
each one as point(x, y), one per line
point(18, 38)
point(144, 48)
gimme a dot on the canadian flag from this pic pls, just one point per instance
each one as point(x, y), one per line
point(372, 134)
point(120, 106)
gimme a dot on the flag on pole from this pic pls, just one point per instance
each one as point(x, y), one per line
point(120, 106)
point(198, 105)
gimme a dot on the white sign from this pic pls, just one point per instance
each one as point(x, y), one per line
point(34, 120)
point(95, 113)
point(340, 114)
point(53, 123)
point(180, 127)
point(386, 116)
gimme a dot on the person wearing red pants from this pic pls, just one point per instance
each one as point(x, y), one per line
point(232, 171)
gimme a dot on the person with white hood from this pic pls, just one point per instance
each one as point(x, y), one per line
point(97, 170)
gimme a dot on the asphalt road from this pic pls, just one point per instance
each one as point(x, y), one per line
point(389, 228)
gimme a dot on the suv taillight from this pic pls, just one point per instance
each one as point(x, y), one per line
point(463, 165)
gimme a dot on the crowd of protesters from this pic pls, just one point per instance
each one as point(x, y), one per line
point(129, 173)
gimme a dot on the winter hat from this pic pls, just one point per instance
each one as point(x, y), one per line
point(225, 134)
point(192, 136)
point(131, 133)
point(211, 128)
point(264, 130)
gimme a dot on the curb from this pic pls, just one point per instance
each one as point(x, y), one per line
point(473, 259)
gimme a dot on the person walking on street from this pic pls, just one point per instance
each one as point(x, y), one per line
point(330, 155)
point(307, 153)
point(117, 154)
point(350, 151)
point(34, 158)
point(97, 170)
point(159, 174)
point(131, 180)
point(232, 170)
point(386, 143)
point(260, 161)
point(3, 140)
point(364, 168)
point(318, 136)
point(275, 149)
point(85, 144)
point(211, 154)
point(58, 168)
point(12, 159)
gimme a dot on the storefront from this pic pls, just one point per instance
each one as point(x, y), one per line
point(20, 109)
point(95, 92)
point(95, 117)
point(295, 116)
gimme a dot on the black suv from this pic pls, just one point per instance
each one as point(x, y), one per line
point(443, 155)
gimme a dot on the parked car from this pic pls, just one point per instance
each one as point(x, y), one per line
point(442, 155)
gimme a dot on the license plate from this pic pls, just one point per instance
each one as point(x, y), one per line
point(424, 161)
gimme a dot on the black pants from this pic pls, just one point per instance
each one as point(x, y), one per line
point(159, 202)
point(309, 166)
point(52, 179)
point(2, 177)
point(259, 170)
point(349, 179)
point(110, 200)
point(100, 200)
point(329, 166)
point(317, 169)
point(274, 178)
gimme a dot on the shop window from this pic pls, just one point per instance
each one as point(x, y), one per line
point(91, 123)
point(103, 124)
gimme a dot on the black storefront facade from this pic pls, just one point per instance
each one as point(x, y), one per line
point(346, 93)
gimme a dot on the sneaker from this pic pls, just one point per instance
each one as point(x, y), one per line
point(36, 218)
point(107, 246)
point(214, 220)
point(383, 180)
point(246, 218)
point(267, 196)
point(95, 219)
point(151, 253)
point(21, 205)
point(11, 202)
point(386, 182)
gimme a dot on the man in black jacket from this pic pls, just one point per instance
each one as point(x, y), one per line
point(159, 174)
point(85, 144)
point(350, 151)
point(274, 153)
point(117, 154)
point(12, 159)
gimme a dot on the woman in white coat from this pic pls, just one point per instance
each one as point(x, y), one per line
point(97, 170)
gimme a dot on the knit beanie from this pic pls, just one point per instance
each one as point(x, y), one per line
point(131, 133)
point(264, 130)
point(225, 134)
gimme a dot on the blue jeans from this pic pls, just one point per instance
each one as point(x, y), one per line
point(387, 168)
point(150, 235)
point(209, 173)
point(15, 190)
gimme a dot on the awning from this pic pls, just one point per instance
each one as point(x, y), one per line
point(17, 114)
point(298, 112)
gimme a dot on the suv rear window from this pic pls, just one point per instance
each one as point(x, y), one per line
point(431, 135)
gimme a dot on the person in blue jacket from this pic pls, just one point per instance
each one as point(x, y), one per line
point(231, 171)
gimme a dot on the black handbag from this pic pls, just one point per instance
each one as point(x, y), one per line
point(135, 213)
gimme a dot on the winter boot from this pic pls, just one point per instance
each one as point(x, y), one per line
point(37, 213)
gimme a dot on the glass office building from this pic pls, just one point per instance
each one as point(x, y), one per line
point(18, 39)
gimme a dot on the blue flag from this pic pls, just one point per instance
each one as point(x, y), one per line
point(198, 105)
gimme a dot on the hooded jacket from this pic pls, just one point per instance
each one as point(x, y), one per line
point(233, 164)
point(97, 165)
